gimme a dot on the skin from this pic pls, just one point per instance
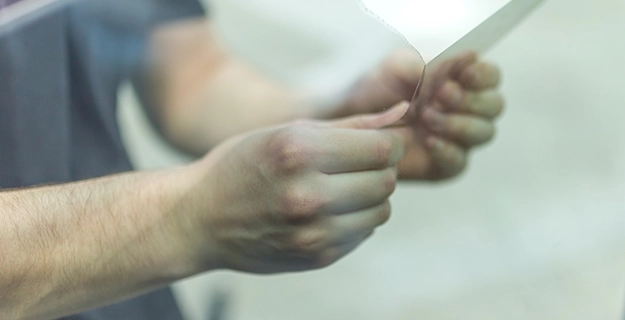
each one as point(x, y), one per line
point(273, 195)
point(70, 248)
point(191, 113)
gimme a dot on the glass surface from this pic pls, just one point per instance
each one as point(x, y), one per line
point(533, 229)
point(14, 14)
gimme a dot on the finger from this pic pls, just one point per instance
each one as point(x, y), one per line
point(440, 73)
point(356, 191)
point(337, 230)
point(402, 72)
point(480, 76)
point(407, 64)
point(336, 253)
point(448, 158)
point(461, 63)
point(489, 103)
point(314, 249)
point(325, 257)
point(465, 130)
point(348, 227)
point(344, 150)
point(373, 121)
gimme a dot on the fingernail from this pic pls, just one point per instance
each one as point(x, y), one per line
point(434, 119)
point(404, 104)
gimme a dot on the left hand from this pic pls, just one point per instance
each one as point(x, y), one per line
point(460, 116)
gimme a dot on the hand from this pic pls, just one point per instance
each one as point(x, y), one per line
point(299, 196)
point(459, 116)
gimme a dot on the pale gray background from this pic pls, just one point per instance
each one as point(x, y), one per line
point(534, 230)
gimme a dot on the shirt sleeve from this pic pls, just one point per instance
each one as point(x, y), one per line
point(163, 11)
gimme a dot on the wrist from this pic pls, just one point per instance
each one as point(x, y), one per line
point(185, 201)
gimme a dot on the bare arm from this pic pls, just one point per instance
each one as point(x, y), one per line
point(263, 202)
point(205, 95)
point(69, 248)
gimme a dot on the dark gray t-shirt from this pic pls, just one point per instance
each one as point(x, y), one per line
point(59, 77)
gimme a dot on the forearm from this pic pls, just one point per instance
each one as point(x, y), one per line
point(74, 247)
point(205, 95)
point(234, 100)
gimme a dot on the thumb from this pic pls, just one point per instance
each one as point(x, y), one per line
point(373, 121)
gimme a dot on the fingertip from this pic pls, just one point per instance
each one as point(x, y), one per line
point(394, 114)
point(404, 105)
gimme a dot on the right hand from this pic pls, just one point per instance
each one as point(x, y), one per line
point(300, 196)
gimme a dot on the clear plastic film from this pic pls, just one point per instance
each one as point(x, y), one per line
point(444, 33)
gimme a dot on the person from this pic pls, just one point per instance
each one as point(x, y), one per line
point(83, 237)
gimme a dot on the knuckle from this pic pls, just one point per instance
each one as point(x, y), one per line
point(308, 241)
point(384, 153)
point(300, 204)
point(289, 149)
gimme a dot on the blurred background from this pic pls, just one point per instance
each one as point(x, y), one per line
point(534, 230)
